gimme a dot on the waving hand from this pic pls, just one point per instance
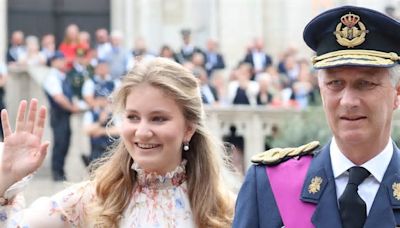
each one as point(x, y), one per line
point(23, 151)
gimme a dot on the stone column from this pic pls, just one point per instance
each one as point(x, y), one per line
point(173, 20)
point(3, 24)
point(284, 24)
point(239, 23)
point(214, 20)
point(254, 138)
point(150, 23)
point(123, 18)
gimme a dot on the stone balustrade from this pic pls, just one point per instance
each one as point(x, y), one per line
point(252, 123)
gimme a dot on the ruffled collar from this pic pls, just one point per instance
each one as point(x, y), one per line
point(155, 181)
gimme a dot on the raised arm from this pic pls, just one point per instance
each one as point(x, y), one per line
point(23, 153)
point(23, 149)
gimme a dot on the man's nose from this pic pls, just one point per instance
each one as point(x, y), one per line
point(350, 98)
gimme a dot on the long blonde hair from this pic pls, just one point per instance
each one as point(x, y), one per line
point(210, 199)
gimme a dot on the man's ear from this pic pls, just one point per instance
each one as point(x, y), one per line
point(397, 98)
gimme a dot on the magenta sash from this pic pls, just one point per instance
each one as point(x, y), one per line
point(286, 181)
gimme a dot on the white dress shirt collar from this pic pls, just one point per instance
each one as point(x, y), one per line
point(340, 163)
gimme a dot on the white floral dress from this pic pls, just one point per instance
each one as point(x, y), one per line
point(157, 201)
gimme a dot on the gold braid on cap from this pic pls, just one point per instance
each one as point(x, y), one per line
point(358, 53)
point(358, 57)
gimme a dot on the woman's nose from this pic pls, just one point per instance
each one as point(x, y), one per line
point(143, 130)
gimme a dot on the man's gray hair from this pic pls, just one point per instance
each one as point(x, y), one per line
point(394, 73)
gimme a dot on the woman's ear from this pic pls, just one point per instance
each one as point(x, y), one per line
point(190, 130)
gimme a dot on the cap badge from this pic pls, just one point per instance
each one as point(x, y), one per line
point(396, 190)
point(315, 185)
point(353, 33)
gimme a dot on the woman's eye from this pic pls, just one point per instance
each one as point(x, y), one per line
point(159, 119)
point(132, 117)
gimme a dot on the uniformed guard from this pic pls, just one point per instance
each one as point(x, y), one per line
point(59, 92)
point(353, 181)
point(80, 72)
point(96, 92)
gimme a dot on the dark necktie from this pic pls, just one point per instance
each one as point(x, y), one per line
point(353, 209)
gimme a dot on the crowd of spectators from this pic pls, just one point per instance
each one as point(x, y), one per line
point(84, 74)
point(258, 79)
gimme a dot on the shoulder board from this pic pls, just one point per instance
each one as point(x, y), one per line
point(275, 156)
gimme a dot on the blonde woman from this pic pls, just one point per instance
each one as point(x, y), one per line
point(164, 172)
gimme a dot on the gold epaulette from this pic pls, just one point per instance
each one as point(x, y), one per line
point(277, 155)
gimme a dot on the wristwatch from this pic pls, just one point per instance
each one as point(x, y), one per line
point(3, 201)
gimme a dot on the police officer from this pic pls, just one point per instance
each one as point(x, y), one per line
point(100, 127)
point(96, 93)
point(352, 181)
point(59, 92)
point(96, 90)
point(80, 72)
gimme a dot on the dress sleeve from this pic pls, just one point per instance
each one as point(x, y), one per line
point(16, 201)
point(64, 209)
